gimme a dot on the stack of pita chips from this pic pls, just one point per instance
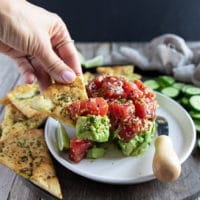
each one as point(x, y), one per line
point(22, 144)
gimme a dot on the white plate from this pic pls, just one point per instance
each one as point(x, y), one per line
point(117, 169)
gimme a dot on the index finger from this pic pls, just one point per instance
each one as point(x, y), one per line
point(69, 55)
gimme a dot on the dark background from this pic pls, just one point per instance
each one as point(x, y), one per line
point(127, 20)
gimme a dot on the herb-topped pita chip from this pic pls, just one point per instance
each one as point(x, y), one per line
point(55, 100)
point(26, 153)
point(5, 100)
point(125, 70)
point(14, 121)
point(0, 130)
point(22, 97)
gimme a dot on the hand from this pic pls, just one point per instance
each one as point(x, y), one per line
point(39, 42)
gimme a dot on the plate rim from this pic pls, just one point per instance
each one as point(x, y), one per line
point(109, 180)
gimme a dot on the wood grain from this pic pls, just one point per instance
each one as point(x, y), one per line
point(20, 191)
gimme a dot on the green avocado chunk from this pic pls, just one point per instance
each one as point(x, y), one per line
point(95, 152)
point(94, 128)
point(139, 144)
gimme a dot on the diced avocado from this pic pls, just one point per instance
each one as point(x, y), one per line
point(94, 128)
point(127, 147)
point(139, 144)
point(96, 152)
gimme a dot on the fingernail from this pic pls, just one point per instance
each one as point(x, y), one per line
point(30, 79)
point(68, 76)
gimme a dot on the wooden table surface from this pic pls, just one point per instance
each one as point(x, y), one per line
point(75, 187)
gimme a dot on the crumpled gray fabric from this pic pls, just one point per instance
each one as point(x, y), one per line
point(167, 53)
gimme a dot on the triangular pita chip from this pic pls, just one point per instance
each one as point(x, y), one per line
point(0, 130)
point(5, 100)
point(125, 70)
point(26, 153)
point(121, 70)
point(14, 121)
point(57, 97)
point(22, 97)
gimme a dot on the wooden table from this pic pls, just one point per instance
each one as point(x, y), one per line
point(75, 187)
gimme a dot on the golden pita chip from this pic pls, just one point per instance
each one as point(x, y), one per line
point(22, 97)
point(57, 97)
point(14, 121)
point(5, 100)
point(134, 76)
point(125, 70)
point(26, 153)
point(0, 130)
point(87, 76)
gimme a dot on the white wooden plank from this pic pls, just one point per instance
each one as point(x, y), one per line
point(8, 74)
point(20, 191)
point(6, 181)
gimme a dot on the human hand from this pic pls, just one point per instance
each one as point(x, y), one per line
point(39, 42)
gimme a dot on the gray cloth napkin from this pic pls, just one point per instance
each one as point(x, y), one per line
point(167, 53)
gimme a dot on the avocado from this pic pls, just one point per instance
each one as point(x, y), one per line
point(139, 144)
point(94, 128)
point(95, 152)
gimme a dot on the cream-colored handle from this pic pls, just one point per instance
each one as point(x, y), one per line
point(166, 165)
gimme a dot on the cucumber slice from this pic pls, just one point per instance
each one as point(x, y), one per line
point(166, 81)
point(190, 91)
point(153, 84)
point(94, 62)
point(178, 85)
point(198, 143)
point(170, 92)
point(195, 102)
point(184, 101)
point(195, 115)
point(62, 138)
point(184, 88)
point(95, 152)
point(197, 125)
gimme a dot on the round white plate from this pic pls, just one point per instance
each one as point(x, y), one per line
point(117, 169)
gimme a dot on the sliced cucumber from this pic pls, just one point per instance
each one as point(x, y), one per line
point(178, 85)
point(197, 125)
point(184, 88)
point(165, 81)
point(184, 101)
point(153, 84)
point(194, 102)
point(198, 143)
point(190, 91)
point(170, 92)
point(195, 115)
point(62, 138)
point(94, 62)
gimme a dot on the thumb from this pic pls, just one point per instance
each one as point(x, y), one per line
point(56, 67)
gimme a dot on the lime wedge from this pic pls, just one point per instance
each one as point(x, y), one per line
point(62, 138)
point(81, 58)
point(96, 61)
